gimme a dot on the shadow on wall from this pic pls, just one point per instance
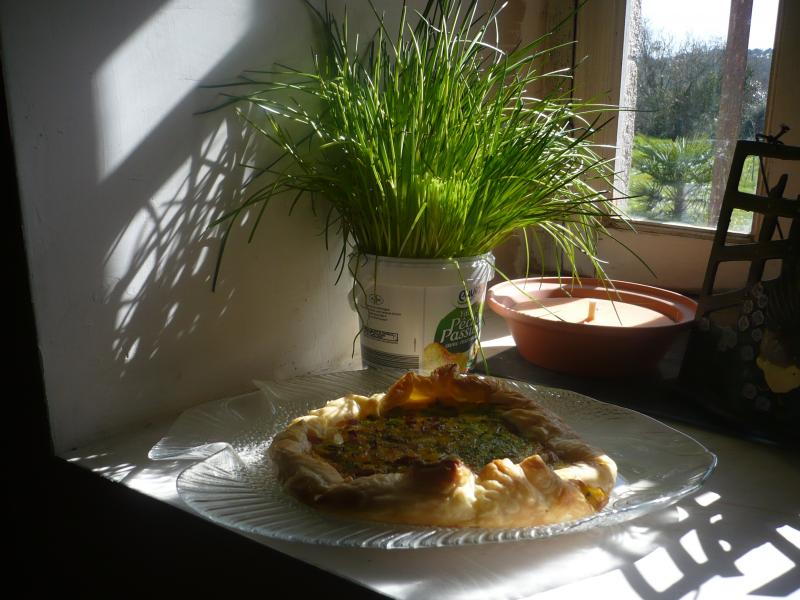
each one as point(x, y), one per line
point(119, 188)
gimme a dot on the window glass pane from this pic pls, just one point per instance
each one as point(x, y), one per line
point(697, 90)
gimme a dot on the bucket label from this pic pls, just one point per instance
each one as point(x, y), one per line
point(452, 335)
point(456, 331)
point(417, 323)
point(387, 339)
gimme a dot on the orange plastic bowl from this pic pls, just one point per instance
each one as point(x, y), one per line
point(584, 349)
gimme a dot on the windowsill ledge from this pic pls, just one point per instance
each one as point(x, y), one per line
point(745, 509)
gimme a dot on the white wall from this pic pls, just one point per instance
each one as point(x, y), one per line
point(118, 182)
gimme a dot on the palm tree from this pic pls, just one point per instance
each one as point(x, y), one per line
point(677, 175)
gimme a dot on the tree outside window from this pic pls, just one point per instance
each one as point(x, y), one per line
point(695, 96)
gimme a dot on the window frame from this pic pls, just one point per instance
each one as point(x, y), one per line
point(678, 254)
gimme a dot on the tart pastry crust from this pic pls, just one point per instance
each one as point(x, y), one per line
point(567, 479)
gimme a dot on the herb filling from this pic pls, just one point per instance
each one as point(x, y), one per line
point(474, 434)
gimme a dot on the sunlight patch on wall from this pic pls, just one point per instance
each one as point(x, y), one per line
point(168, 229)
point(149, 74)
point(134, 257)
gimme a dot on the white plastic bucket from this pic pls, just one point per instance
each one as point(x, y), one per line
point(420, 313)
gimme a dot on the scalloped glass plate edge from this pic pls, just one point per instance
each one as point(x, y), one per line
point(242, 493)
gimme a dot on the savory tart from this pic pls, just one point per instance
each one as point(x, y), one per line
point(448, 450)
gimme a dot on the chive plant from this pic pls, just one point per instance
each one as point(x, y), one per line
point(427, 141)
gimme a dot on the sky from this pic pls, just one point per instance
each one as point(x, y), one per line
point(708, 19)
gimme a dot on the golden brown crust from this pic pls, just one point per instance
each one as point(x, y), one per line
point(448, 493)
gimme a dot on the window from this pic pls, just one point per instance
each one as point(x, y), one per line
point(675, 227)
point(698, 76)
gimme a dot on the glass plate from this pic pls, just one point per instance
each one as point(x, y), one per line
point(234, 483)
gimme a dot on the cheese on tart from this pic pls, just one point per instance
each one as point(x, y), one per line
point(443, 450)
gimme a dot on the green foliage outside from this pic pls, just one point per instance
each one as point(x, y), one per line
point(671, 181)
point(678, 98)
point(673, 178)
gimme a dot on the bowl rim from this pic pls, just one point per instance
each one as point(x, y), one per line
point(686, 307)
